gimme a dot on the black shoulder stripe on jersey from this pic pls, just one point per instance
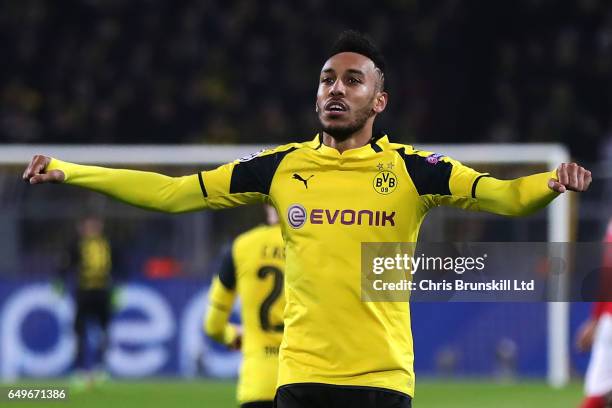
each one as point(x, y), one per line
point(202, 187)
point(476, 182)
point(255, 175)
point(227, 271)
point(427, 178)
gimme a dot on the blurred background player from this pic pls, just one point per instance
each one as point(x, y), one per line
point(596, 333)
point(253, 269)
point(91, 259)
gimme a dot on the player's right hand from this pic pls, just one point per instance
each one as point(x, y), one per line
point(35, 172)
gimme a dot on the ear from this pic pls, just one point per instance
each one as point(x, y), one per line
point(381, 102)
point(316, 107)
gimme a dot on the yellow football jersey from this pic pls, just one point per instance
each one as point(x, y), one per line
point(329, 202)
point(254, 270)
point(94, 263)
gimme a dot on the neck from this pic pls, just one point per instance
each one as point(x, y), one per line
point(360, 138)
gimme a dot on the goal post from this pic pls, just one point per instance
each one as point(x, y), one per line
point(558, 372)
point(550, 155)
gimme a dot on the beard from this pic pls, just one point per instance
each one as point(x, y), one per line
point(342, 132)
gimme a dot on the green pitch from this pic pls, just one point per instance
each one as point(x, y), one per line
point(220, 394)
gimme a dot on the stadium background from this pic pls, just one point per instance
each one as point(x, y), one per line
point(85, 72)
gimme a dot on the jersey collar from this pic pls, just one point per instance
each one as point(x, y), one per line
point(376, 145)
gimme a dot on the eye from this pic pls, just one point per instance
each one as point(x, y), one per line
point(327, 80)
point(353, 81)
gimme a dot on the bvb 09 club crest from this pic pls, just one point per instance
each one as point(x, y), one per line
point(385, 182)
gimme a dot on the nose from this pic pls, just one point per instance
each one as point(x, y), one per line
point(337, 88)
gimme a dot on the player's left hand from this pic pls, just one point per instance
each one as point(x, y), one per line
point(572, 177)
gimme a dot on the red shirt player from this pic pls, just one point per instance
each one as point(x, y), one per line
point(597, 331)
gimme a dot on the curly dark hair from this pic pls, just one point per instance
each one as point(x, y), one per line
point(354, 41)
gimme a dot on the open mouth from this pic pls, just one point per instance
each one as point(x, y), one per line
point(336, 107)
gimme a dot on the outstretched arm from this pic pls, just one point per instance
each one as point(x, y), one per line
point(525, 195)
point(440, 180)
point(143, 189)
point(153, 191)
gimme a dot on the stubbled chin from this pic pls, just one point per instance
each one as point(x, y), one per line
point(336, 118)
point(339, 132)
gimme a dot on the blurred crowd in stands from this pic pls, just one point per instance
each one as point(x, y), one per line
point(244, 71)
